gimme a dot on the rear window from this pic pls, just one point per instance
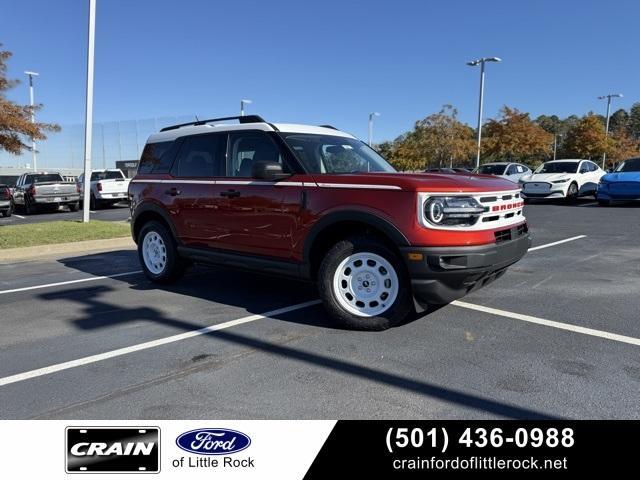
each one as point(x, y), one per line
point(201, 156)
point(109, 175)
point(42, 178)
point(156, 158)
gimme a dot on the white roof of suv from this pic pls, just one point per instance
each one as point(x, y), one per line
point(171, 133)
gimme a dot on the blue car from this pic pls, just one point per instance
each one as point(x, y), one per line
point(622, 184)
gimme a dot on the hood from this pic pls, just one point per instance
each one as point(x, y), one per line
point(622, 177)
point(546, 177)
point(424, 182)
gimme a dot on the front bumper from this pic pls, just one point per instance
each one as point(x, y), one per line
point(626, 194)
point(555, 190)
point(444, 274)
point(551, 194)
point(5, 204)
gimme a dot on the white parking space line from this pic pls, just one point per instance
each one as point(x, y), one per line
point(546, 245)
point(19, 216)
point(20, 377)
point(69, 282)
point(550, 323)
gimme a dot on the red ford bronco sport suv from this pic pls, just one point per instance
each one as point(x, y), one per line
point(318, 204)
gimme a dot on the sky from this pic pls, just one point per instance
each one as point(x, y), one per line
point(323, 61)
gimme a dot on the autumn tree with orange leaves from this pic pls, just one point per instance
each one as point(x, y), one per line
point(15, 119)
point(515, 137)
point(586, 139)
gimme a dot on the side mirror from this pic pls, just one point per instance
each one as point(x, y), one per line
point(270, 171)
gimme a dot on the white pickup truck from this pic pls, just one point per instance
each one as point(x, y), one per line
point(108, 187)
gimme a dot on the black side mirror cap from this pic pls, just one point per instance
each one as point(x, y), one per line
point(270, 171)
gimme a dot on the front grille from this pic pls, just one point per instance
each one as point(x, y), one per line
point(500, 209)
point(503, 235)
point(522, 229)
point(511, 233)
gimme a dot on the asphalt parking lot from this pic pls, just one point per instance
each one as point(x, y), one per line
point(557, 336)
point(117, 213)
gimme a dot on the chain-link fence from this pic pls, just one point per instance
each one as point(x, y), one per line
point(112, 141)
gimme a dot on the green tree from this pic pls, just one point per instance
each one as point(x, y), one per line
point(551, 124)
point(15, 119)
point(619, 120)
point(634, 121)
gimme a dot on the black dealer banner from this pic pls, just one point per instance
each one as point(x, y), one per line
point(426, 449)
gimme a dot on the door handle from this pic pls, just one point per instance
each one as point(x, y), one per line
point(230, 194)
point(173, 191)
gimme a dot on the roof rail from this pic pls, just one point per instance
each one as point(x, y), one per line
point(329, 126)
point(241, 119)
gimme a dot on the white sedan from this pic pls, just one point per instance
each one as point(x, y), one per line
point(506, 170)
point(566, 179)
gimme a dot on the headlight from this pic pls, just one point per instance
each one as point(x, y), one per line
point(564, 180)
point(452, 211)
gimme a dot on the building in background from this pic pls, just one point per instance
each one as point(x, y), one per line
point(128, 167)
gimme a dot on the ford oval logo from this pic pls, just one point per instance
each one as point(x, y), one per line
point(213, 441)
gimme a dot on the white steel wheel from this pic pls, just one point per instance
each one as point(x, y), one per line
point(365, 284)
point(154, 253)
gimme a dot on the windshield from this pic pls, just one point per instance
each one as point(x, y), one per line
point(333, 154)
point(492, 169)
point(558, 167)
point(631, 165)
point(108, 175)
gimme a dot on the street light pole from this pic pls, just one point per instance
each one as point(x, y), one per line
point(244, 102)
point(473, 63)
point(33, 117)
point(88, 120)
point(555, 144)
point(371, 115)
point(606, 130)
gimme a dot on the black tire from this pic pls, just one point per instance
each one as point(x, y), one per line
point(572, 193)
point(93, 203)
point(393, 315)
point(8, 211)
point(73, 207)
point(173, 266)
point(604, 203)
point(29, 207)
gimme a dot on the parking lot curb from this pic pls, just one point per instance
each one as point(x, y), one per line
point(57, 249)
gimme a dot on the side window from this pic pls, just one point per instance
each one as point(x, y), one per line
point(593, 166)
point(201, 156)
point(511, 170)
point(248, 147)
point(155, 158)
point(520, 169)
